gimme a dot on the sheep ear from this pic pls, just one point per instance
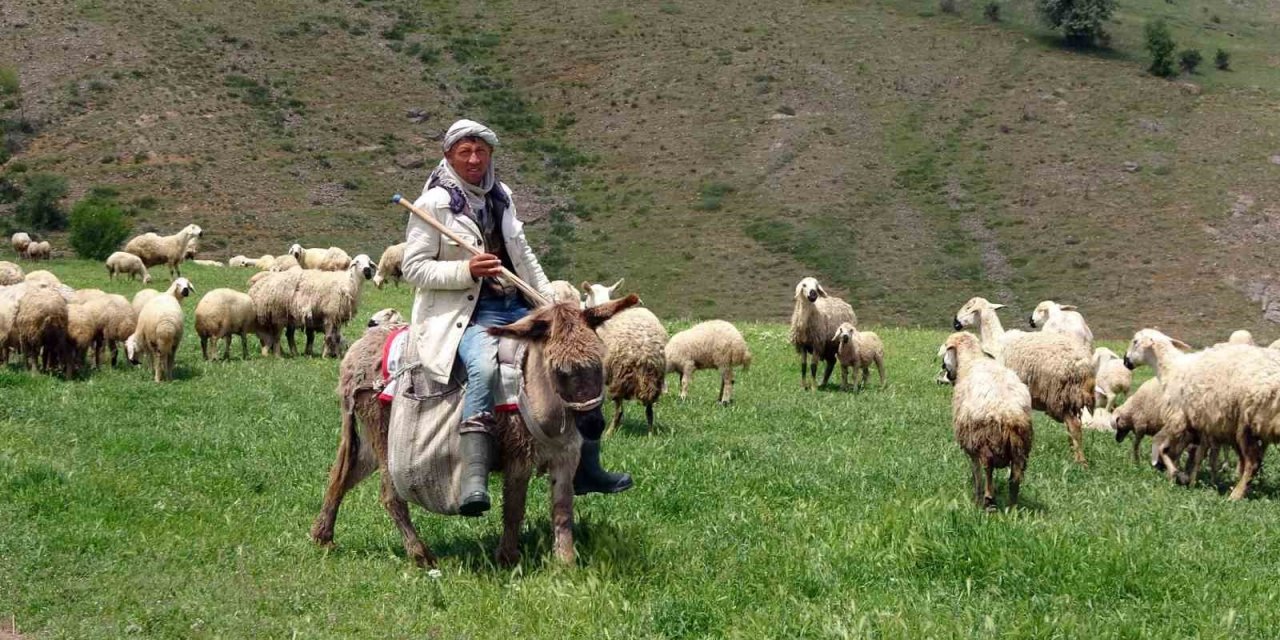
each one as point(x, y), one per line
point(598, 315)
point(1068, 307)
point(1182, 346)
point(616, 285)
point(949, 362)
point(996, 306)
point(531, 327)
point(822, 292)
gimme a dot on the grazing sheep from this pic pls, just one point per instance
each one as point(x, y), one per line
point(284, 263)
point(634, 362)
point(208, 263)
point(1226, 395)
point(858, 350)
point(991, 416)
point(389, 265)
point(331, 259)
point(326, 301)
point(20, 241)
point(167, 250)
point(240, 261)
point(384, 317)
point(1061, 318)
point(117, 321)
point(10, 273)
point(814, 321)
point(225, 313)
point(1056, 368)
point(714, 344)
point(40, 329)
point(124, 262)
point(41, 276)
point(193, 249)
point(141, 298)
point(1111, 378)
point(159, 330)
point(39, 250)
point(1142, 414)
point(273, 294)
point(82, 332)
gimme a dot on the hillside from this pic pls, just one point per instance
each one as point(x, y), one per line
point(712, 153)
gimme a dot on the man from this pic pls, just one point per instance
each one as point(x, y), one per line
point(460, 295)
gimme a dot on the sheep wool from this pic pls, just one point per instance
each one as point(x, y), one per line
point(155, 249)
point(815, 317)
point(714, 344)
point(389, 265)
point(10, 273)
point(223, 314)
point(634, 360)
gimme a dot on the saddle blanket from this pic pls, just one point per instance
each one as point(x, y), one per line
point(505, 397)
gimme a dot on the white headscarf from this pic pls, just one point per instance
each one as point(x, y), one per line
point(467, 129)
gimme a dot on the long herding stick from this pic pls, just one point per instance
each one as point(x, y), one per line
point(533, 294)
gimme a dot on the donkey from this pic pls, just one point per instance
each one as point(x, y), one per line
point(563, 389)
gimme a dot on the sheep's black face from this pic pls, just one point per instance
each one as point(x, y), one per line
point(955, 322)
point(185, 291)
point(1031, 320)
point(373, 322)
point(368, 272)
point(813, 295)
point(1128, 364)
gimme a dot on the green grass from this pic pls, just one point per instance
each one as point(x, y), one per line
point(129, 508)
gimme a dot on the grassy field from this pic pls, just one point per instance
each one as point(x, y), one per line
point(132, 509)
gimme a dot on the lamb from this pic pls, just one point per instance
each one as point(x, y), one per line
point(124, 262)
point(40, 329)
point(1057, 369)
point(1111, 378)
point(10, 273)
point(384, 317)
point(1061, 318)
point(598, 294)
point(39, 250)
point(389, 265)
point(714, 344)
point(990, 414)
point(1143, 414)
point(225, 313)
point(858, 350)
point(562, 291)
point(117, 321)
point(634, 361)
point(1227, 395)
point(159, 330)
point(41, 276)
point(331, 259)
point(167, 250)
point(209, 263)
point(240, 261)
point(20, 241)
point(326, 301)
point(814, 320)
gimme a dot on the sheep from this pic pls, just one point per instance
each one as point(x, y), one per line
point(117, 321)
point(272, 293)
point(9, 299)
point(41, 276)
point(384, 317)
point(209, 263)
point(159, 330)
point(10, 273)
point(39, 250)
point(284, 263)
point(389, 265)
point(634, 362)
point(1227, 395)
point(1274, 345)
point(240, 261)
point(714, 344)
point(83, 330)
point(124, 262)
point(1239, 336)
point(1142, 414)
point(1061, 318)
point(225, 313)
point(20, 241)
point(1056, 368)
point(326, 301)
point(141, 298)
point(192, 249)
point(167, 250)
point(814, 320)
point(858, 350)
point(331, 259)
point(562, 291)
point(265, 262)
point(1111, 378)
point(990, 414)
point(40, 328)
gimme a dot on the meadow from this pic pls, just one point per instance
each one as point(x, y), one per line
point(181, 510)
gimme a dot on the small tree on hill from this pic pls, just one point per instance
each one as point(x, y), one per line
point(98, 225)
point(1160, 45)
point(1222, 59)
point(1189, 59)
point(1079, 20)
point(38, 207)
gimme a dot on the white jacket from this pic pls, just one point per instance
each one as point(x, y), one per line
point(446, 293)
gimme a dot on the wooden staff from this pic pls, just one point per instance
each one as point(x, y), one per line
point(533, 294)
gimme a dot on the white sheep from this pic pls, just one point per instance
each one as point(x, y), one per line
point(562, 291)
point(20, 241)
point(209, 263)
point(240, 261)
point(1062, 318)
point(325, 301)
point(273, 295)
point(141, 298)
point(40, 328)
point(634, 362)
point(192, 250)
point(1227, 395)
point(284, 263)
point(389, 265)
point(10, 273)
point(858, 350)
point(39, 250)
point(597, 294)
point(155, 249)
point(124, 262)
point(1142, 414)
point(159, 330)
point(714, 344)
point(1241, 336)
point(990, 414)
point(265, 262)
point(225, 313)
point(384, 317)
point(1057, 369)
point(814, 319)
point(43, 277)
point(331, 259)
point(1111, 378)
point(117, 320)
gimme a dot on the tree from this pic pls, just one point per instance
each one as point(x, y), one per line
point(98, 225)
point(38, 207)
point(1079, 20)
point(1189, 59)
point(1222, 59)
point(1160, 45)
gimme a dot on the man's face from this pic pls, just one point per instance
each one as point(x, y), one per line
point(470, 160)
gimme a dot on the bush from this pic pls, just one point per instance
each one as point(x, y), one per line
point(992, 12)
point(98, 227)
point(1160, 46)
point(1189, 59)
point(38, 208)
point(1222, 59)
point(947, 6)
point(1080, 20)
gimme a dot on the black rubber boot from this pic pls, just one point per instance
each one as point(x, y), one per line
point(592, 478)
point(477, 458)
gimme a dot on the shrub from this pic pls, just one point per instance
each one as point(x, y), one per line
point(1160, 46)
point(98, 227)
point(711, 196)
point(38, 208)
point(1080, 20)
point(1189, 59)
point(947, 6)
point(992, 12)
point(1222, 59)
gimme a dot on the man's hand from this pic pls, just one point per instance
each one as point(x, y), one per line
point(485, 265)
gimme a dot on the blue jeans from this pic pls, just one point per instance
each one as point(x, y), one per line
point(478, 350)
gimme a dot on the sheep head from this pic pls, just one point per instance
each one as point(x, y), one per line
point(193, 230)
point(296, 251)
point(951, 348)
point(844, 333)
point(970, 314)
point(131, 349)
point(363, 265)
point(1041, 313)
point(1241, 336)
point(181, 288)
point(1145, 345)
point(598, 294)
point(385, 317)
point(809, 289)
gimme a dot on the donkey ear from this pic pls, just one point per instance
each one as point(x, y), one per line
point(616, 285)
point(531, 327)
point(597, 316)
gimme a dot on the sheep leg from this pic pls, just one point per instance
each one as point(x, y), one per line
point(826, 376)
point(204, 347)
point(562, 509)
point(293, 345)
point(1015, 481)
point(975, 473)
point(1213, 464)
point(1192, 474)
point(726, 386)
point(226, 349)
point(989, 488)
point(804, 369)
point(1076, 431)
point(866, 375)
point(648, 415)
point(1250, 457)
point(311, 340)
point(844, 377)
point(880, 370)
point(617, 416)
point(685, 376)
point(1137, 438)
point(515, 491)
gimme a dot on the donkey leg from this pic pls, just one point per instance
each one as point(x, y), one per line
point(515, 491)
point(562, 509)
point(347, 472)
